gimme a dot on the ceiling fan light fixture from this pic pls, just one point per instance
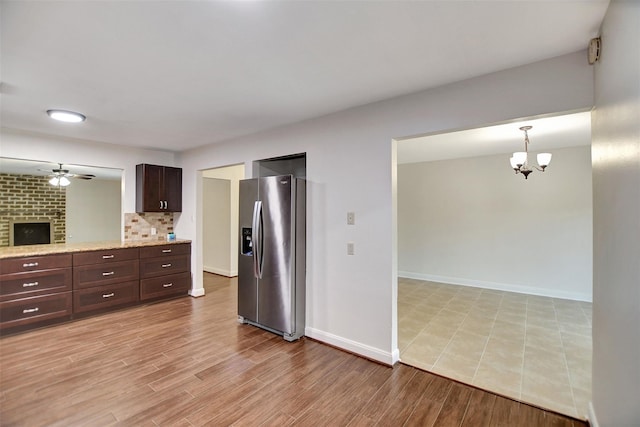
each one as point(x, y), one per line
point(66, 116)
point(59, 181)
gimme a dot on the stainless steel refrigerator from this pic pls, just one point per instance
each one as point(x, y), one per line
point(271, 260)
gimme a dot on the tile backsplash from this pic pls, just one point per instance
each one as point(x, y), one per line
point(137, 226)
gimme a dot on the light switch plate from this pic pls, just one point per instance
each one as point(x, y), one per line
point(350, 248)
point(351, 218)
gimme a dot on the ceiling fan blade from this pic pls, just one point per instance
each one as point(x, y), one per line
point(84, 176)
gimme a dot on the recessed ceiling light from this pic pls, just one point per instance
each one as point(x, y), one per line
point(66, 116)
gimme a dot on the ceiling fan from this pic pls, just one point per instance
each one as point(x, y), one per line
point(60, 177)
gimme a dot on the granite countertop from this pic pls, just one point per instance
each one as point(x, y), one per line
point(61, 248)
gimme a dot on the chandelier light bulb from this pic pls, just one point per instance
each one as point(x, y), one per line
point(544, 159)
point(514, 165)
point(520, 157)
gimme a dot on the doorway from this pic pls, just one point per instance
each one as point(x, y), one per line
point(494, 271)
point(220, 219)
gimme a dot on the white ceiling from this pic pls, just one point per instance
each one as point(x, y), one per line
point(546, 134)
point(38, 168)
point(175, 75)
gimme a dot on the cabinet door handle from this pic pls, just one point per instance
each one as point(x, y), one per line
point(27, 285)
point(166, 265)
point(165, 204)
point(107, 256)
point(30, 310)
point(166, 251)
point(108, 295)
point(108, 273)
point(30, 264)
point(167, 285)
point(160, 204)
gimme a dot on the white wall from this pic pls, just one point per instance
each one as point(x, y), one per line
point(216, 245)
point(227, 264)
point(94, 210)
point(616, 218)
point(473, 222)
point(351, 300)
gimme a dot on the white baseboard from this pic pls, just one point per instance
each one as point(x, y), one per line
point(530, 290)
point(196, 292)
point(220, 271)
point(395, 356)
point(593, 421)
point(387, 358)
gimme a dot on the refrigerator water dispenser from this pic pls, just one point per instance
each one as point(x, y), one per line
point(247, 248)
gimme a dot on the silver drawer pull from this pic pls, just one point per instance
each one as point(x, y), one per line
point(107, 256)
point(167, 285)
point(166, 251)
point(108, 273)
point(28, 285)
point(108, 295)
point(166, 265)
point(30, 264)
point(30, 310)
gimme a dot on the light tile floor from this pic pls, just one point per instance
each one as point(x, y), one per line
point(530, 348)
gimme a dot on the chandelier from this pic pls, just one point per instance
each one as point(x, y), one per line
point(519, 159)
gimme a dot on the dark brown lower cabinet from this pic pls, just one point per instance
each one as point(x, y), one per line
point(165, 286)
point(165, 271)
point(36, 291)
point(105, 297)
point(34, 310)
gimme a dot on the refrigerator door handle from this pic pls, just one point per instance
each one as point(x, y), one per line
point(256, 239)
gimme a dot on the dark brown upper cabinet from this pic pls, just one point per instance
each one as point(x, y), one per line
point(158, 188)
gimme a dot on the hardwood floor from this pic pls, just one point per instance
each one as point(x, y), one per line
point(188, 362)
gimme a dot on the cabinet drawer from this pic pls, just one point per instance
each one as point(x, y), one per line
point(21, 285)
point(165, 250)
point(172, 284)
point(21, 265)
point(152, 267)
point(86, 276)
point(34, 309)
point(105, 296)
point(104, 256)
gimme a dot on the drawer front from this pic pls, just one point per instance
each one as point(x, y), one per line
point(21, 285)
point(152, 267)
point(21, 265)
point(86, 276)
point(34, 309)
point(104, 256)
point(165, 250)
point(105, 296)
point(173, 284)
